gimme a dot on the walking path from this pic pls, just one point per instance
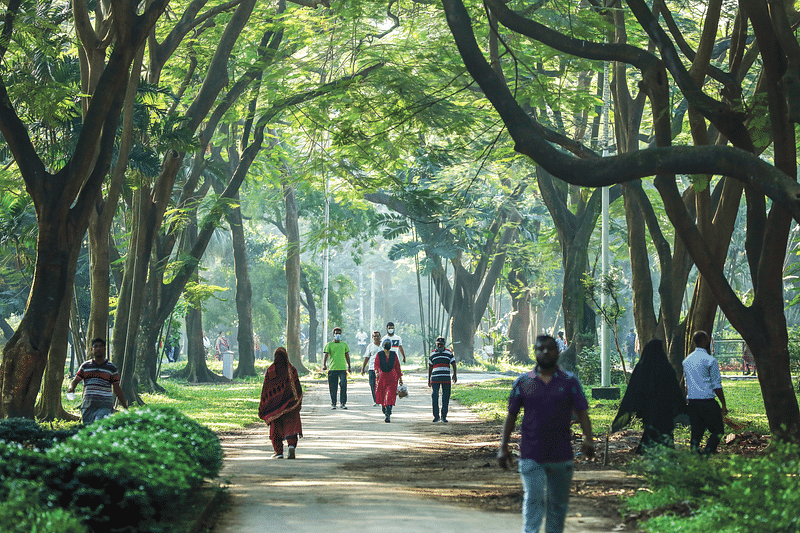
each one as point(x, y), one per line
point(316, 493)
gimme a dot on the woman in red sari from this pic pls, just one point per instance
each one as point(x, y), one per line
point(281, 400)
point(387, 375)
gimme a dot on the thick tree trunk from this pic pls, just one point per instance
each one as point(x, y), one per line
point(49, 406)
point(25, 355)
point(196, 370)
point(100, 272)
point(244, 295)
point(147, 351)
point(521, 320)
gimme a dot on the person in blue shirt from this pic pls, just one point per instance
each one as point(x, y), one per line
point(703, 383)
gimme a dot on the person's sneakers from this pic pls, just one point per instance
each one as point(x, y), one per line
point(444, 420)
point(277, 456)
point(291, 452)
point(333, 407)
point(344, 406)
point(435, 420)
point(387, 419)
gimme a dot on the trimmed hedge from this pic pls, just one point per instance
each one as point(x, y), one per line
point(121, 473)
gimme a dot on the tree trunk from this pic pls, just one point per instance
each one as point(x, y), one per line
point(196, 370)
point(521, 320)
point(292, 279)
point(313, 323)
point(147, 350)
point(462, 331)
point(49, 406)
point(25, 355)
point(244, 295)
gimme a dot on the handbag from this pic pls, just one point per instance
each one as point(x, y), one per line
point(402, 391)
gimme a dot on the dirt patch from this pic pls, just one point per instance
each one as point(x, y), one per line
point(458, 464)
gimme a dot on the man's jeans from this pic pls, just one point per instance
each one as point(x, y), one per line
point(445, 399)
point(340, 377)
point(546, 486)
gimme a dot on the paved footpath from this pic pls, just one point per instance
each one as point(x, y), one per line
point(315, 493)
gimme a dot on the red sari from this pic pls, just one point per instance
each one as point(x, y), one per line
point(386, 382)
point(281, 401)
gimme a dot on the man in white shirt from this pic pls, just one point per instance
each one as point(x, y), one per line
point(397, 342)
point(703, 383)
point(369, 361)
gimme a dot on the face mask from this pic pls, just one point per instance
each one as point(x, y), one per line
point(337, 337)
point(390, 331)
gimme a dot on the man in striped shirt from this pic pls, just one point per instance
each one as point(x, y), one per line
point(439, 363)
point(100, 384)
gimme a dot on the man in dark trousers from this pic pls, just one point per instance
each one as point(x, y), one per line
point(439, 363)
point(703, 383)
point(549, 396)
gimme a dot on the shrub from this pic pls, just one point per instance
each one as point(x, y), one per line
point(26, 508)
point(127, 469)
point(728, 494)
point(29, 433)
point(589, 368)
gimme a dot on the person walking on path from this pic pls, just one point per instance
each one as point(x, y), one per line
point(397, 342)
point(388, 372)
point(369, 362)
point(653, 395)
point(549, 396)
point(703, 382)
point(339, 354)
point(439, 363)
point(281, 401)
point(100, 384)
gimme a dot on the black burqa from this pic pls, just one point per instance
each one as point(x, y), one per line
point(654, 396)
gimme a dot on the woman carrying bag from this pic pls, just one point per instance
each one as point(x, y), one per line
point(388, 374)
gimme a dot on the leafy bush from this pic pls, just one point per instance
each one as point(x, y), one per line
point(29, 433)
point(730, 494)
point(589, 368)
point(26, 508)
point(127, 469)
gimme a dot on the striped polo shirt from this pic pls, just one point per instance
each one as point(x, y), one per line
point(97, 384)
point(441, 361)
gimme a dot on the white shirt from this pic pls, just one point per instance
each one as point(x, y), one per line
point(396, 341)
point(701, 372)
point(372, 352)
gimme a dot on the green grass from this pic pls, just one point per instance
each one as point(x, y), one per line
point(490, 399)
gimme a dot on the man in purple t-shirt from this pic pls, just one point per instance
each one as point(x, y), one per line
point(549, 396)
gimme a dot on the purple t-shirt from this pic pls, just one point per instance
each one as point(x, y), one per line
point(546, 435)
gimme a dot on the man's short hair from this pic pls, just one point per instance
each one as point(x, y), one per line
point(701, 338)
point(389, 324)
point(376, 332)
point(337, 328)
point(98, 339)
point(547, 339)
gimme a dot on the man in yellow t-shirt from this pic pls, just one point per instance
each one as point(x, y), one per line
point(339, 354)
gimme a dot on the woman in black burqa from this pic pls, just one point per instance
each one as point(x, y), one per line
point(654, 396)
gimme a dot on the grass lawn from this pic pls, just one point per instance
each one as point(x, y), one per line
point(490, 400)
